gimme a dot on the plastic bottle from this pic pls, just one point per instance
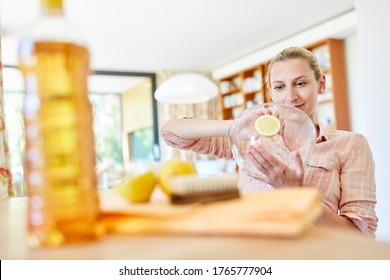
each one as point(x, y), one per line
point(60, 152)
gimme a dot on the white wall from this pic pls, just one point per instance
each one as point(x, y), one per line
point(338, 27)
point(373, 23)
point(354, 85)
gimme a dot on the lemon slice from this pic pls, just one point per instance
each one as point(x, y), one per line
point(267, 125)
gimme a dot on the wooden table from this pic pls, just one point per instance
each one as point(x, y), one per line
point(319, 243)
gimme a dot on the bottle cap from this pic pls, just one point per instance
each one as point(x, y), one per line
point(52, 4)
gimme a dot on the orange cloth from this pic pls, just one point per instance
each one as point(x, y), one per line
point(287, 212)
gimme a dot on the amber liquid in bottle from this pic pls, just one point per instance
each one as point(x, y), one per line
point(60, 153)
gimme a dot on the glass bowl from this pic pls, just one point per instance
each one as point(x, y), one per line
point(297, 134)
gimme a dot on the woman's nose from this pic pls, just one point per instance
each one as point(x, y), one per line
point(291, 94)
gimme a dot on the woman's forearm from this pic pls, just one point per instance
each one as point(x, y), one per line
point(332, 219)
point(196, 128)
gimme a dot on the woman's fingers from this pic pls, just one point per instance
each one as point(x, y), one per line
point(271, 160)
point(258, 165)
point(263, 173)
point(276, 173)
point(267, 165)
point(259, 157)
point(260, 176)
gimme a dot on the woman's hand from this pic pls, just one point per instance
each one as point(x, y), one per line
point(273, 171)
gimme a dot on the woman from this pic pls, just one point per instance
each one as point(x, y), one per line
point(341, 166)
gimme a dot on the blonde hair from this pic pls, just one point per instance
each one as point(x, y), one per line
point(292, 53)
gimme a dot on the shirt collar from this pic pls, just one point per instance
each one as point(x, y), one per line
point(323, 135)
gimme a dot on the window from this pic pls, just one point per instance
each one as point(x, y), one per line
point(107, 103)
point(107, 130)
point(141, 144)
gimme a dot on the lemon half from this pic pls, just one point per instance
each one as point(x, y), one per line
point(267, 125)
point(172, 168)
point(138, 188)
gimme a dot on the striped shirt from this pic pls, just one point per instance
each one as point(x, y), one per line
point(341, 167)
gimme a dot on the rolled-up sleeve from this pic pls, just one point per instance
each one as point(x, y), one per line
point(215, 146)
point(358, 196)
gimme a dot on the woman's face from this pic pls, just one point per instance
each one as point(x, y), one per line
point(293, 82)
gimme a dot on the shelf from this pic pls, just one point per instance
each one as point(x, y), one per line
point(232, 91)
point(252, 92)
point(232, 107)
point(334, 108)
point(247, 87)
point(325, 100)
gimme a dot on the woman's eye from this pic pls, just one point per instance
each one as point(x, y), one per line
point(301, 84)
point(278, 87)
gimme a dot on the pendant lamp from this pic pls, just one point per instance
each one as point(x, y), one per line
point(186, 88)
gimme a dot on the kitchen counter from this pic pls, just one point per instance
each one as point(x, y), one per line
point(318, 243)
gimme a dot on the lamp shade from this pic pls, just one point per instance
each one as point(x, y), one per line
point(186, 88)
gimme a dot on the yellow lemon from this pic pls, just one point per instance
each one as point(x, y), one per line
point(171, 168)
point(267, 125)
point(138, 188)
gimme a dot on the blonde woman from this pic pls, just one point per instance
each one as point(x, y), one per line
point(341, 166)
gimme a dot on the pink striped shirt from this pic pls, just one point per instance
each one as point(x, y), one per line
point(341, 167)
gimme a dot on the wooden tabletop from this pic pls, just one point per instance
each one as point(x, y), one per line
point(318, 243)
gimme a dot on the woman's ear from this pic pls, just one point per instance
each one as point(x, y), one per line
point(322, 84)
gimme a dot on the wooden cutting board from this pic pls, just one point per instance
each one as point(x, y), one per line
point(283, 213)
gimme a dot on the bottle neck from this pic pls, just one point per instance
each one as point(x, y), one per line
point(54, 26)
point(52, 7)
